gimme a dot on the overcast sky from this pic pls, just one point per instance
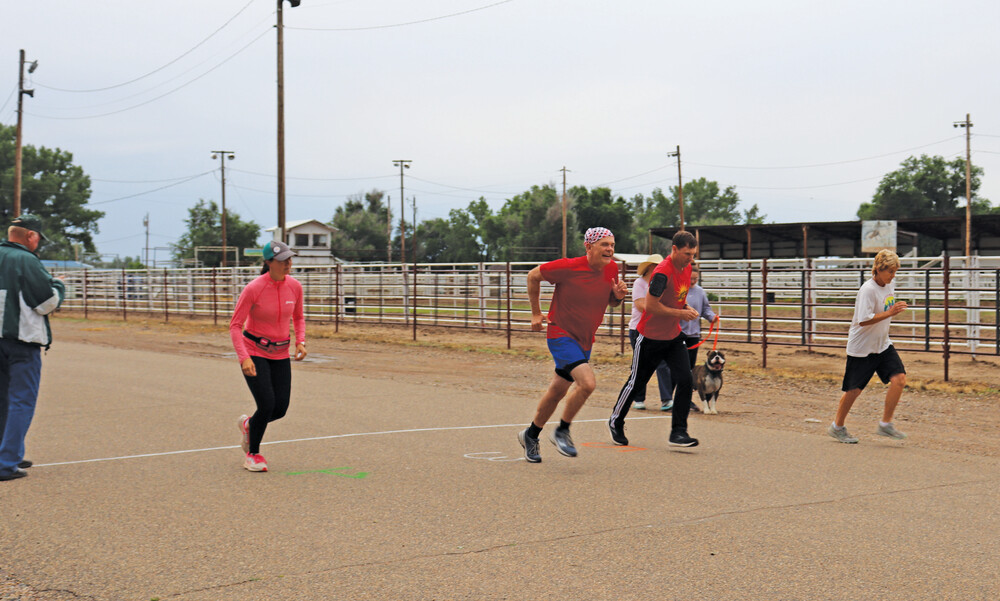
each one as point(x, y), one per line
point(802, 106)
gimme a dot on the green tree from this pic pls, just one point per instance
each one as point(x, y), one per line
point(452, 240)
point(53, 188)
point(204, 224)
point(596, 207)
point(529, 227)
point(362, 229)
point(925, 186)
point(706, 204)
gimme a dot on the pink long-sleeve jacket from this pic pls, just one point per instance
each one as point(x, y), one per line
point(264, 309)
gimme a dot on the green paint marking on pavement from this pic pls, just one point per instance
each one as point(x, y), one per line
point(333, 471)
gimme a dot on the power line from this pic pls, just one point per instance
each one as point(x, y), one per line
point(856, 181)
point(144, 181)
point(480, 190)
point(417, 22)
point(101, 202)
point(11, 95)
point(184, 85)
point(316, 179)
point(636, 175)
point(157, 70)
point(880, 156)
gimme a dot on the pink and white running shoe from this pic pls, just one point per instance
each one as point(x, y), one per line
point(255, 463)
point(244, 425)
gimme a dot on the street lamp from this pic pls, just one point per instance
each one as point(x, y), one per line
point(21, 92)
point(680, 183)
point(402, 164)
point(221, 154)
point(281, 119)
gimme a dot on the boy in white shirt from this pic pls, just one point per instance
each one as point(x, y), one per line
point(869, 350)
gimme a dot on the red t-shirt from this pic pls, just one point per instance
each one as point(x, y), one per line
point(674, 295)
point(580, 299)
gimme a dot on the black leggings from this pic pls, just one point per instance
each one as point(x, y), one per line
point(271, 388)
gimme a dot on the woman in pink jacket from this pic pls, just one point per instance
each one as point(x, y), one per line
point(260, 333)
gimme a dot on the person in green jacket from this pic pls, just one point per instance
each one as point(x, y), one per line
point(28, 294)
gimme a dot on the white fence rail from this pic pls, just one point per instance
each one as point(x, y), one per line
point(954, 302)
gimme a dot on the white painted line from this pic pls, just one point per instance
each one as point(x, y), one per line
point(330, 437)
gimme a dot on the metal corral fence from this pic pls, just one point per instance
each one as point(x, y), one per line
point(954, 302)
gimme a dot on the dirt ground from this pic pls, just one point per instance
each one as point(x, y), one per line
point(798, 391)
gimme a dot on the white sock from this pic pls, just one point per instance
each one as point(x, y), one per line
point(884, 424)
point(836, 427)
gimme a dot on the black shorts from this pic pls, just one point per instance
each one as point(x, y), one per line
point(859, 370)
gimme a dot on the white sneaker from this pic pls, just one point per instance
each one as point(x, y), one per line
point(841, 435)
point(244, 424)
point(890, 431)
point(255, 463)
point(639, 405)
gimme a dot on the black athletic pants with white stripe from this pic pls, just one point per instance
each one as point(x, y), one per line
point(647, 355)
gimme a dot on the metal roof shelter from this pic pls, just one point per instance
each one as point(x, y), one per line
point(834, 238)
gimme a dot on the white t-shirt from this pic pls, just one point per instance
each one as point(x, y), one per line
point(871, 339)
point(640, 288)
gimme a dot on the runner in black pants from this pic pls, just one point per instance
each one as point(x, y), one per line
point(260, 334)
point(660, 339)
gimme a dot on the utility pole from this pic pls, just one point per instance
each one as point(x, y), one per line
point(414, 199)
point(402, 164)
point(225, 239)
point(388, 229)
point(281, 119)
point(145, 257)
point(564, 170)
point(17, 143)
point(967, 124)
point(680, 183)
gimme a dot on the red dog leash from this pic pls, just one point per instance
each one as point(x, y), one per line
point(714, 326)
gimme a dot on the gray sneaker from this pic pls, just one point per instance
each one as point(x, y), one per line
point(563, 442)
point(530, 446)
point(842, 435)
point(639, 405)
point(890, 431)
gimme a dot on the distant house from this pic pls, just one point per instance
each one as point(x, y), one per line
point(310, 238)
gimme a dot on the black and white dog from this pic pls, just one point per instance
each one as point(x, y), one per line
point(708, 380)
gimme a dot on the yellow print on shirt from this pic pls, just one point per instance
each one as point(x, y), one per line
point(888, 302)
point(682, 294)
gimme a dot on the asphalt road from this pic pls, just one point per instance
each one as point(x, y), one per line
point(383, 489)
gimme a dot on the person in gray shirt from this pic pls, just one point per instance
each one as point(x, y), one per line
point(697, 300)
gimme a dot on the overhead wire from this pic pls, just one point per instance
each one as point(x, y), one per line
point(830, 164)
point(407, 23)
point(9, 96)
point(158, 69)
point(184, 85)
point(316, 179)
point(144, 181)
point(193, 177)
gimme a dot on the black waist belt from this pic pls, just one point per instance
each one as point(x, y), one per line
point(266, 343)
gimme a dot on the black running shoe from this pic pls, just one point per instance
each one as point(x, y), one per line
point(618, 434)
point(563, 442)
point(681, 439)
point(530, 446)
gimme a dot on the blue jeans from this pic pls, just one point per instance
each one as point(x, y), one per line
point(662, 377)
point(20, 373)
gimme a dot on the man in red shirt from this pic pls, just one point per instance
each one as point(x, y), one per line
point(660, 339)
point(585, 287)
